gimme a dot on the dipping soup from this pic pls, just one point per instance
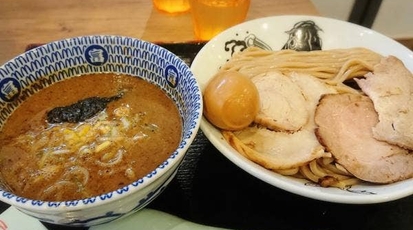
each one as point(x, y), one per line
point(74, 160)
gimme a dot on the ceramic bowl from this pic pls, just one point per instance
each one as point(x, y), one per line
point(64, 59)
point(298, 32)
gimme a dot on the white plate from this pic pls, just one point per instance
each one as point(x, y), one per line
point(271, 32)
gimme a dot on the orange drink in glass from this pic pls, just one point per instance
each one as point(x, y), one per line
point(171, 6)
point(210, 17)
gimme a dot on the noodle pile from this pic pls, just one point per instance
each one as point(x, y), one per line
point(333, 67)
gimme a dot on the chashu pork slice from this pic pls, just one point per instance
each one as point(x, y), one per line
point(283, 106)
point(276, 150)
point(390, 87)
point(345, 124)
point(312, 89)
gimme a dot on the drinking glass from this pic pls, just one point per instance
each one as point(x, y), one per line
point(171, 6)
point(210, 17)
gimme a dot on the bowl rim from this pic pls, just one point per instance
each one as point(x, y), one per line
point(174, 159)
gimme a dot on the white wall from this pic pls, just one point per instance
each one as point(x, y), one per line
point(338, 9)
point(394, 19)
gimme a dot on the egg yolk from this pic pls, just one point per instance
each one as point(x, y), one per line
point(231, 101)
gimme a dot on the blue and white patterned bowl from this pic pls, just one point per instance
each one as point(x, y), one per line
point(36, 69)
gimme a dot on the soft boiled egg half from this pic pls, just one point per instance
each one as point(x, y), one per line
point(231, 100)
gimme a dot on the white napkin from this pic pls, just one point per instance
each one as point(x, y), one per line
point(13, 219)
point(153, 220)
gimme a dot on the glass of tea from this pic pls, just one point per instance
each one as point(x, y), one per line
point(210, 17)
point(171, 6)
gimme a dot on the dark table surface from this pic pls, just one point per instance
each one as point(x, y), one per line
point(209, 189)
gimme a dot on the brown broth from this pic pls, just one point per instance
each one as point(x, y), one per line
point(67, 161)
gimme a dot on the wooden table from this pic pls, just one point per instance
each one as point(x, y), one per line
point(26, 21)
